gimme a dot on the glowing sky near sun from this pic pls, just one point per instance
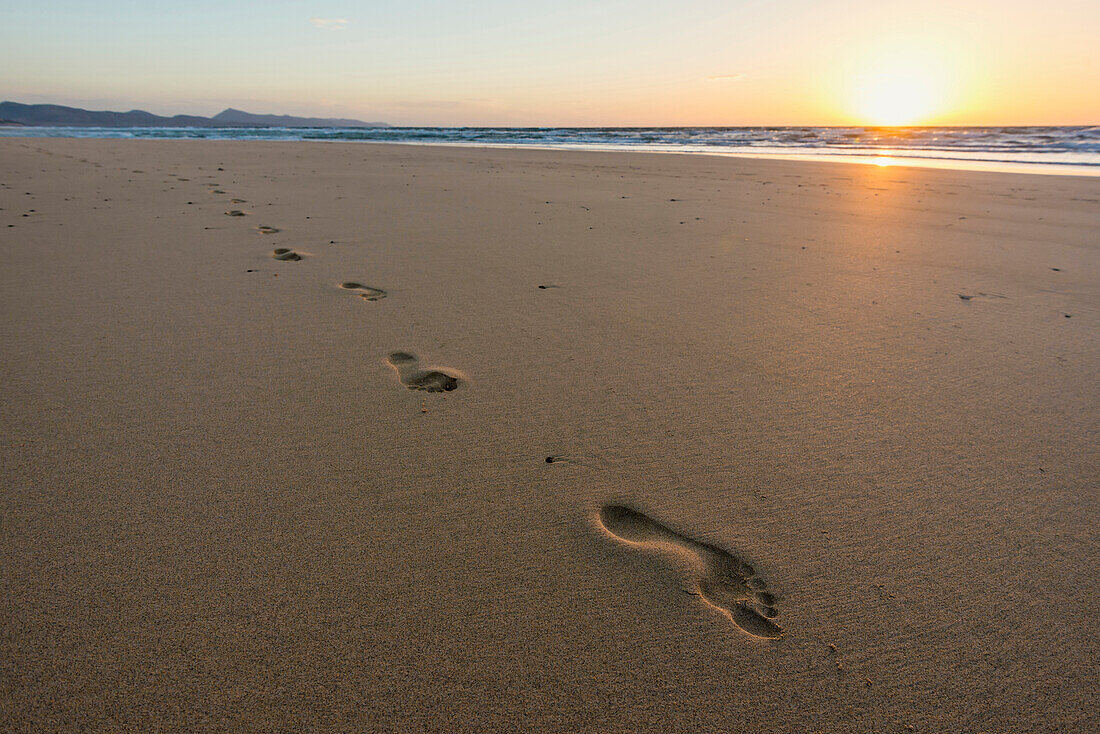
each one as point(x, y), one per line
point(571, 62)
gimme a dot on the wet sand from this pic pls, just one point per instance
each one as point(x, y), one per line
point(544, 440)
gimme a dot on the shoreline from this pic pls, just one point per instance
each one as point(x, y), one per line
point(886, 159)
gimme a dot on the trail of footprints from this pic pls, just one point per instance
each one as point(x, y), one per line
point(724, 581)
point(405, 364)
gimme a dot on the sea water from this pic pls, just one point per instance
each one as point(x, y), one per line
point(1039, 149)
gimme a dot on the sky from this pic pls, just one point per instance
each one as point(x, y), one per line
point(566, 63)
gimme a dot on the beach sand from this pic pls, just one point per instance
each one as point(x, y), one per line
point(697, 444)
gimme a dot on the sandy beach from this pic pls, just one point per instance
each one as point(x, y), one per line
point(459, 439)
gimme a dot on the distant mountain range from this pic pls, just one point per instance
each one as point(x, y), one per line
point(55, 115)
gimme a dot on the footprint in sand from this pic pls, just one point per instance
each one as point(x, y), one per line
point(367, 293)
point(414, 378)
point(264, 229)
point(726, 582)
point(235, 213)
point(281, 253)
point(980, 294)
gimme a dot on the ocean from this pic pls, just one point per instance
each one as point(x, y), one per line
point(1039, 149)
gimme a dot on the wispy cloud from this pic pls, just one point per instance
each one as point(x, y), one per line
point(726, 78)
point(329, 24)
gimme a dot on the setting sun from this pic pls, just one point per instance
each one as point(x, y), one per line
point(900, 89)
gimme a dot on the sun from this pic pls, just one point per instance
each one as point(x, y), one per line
point(899, 89)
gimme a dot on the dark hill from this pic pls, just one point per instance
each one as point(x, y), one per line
point(238, 117)
point(48, 115)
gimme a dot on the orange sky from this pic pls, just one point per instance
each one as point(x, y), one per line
point(497, 62)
